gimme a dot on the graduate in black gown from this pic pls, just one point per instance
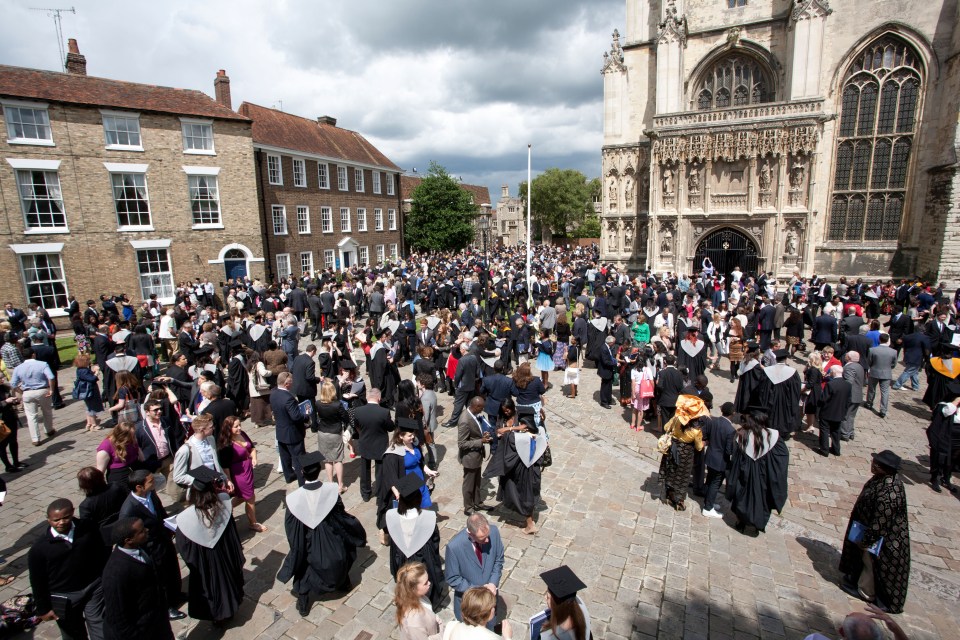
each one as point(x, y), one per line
point(750, 381)
point(780, 394)
point(943, 435)
point(323, 537)
point(516, 464)
point(596, 335)
point(384, 374)
point(941, 372)
point(692, 353)
point(757, 479)
point(414, 536)
point(208, 543)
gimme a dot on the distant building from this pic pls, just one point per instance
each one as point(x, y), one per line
point(479, 196)
point(328, 197)
point(511, 219)
point(110, 187)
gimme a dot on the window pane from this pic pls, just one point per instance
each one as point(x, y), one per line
point(888, 106)
point(44, 280)
point(861, 164)
point(723, 98)
point(41, 199)
point(881, 164)
point(844, 166)
point(855, 214)
point(899, 163)
point(838, 217)
point(892, 218)
point(908, 105)
point(704, 100)
point(848, 113)
point(130, 198)
point(868, 110)
point(155, 274)
point(205, 199)
point(874, 218)
point(740, 96)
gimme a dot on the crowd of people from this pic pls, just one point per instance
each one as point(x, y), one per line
point(175, 386)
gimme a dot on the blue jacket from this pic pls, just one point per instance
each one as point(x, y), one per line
point(464, 571)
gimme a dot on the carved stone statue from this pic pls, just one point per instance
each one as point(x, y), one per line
point(612, 194)
point(628, 193)
point(791, 243)
point(797, 169)
point(693, 183)
point(644, 186)
point(628, 236)
point(666, 241)
point(612, 238)
point(668, 181)
point(765, 178)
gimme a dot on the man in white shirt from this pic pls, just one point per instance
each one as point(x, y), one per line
point(199, 450)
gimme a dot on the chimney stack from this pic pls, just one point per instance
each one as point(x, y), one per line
point(505, 191)
point(76, 62)
point(330, 120)
point(221, 89)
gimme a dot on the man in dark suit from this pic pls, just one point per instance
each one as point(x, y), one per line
point(297, 300)
point(825, 331)
point(900, 325)
point(374, 424)
point(859, 343)
point(219, 407)
point(465, 382)
point(834, 403)
point(765, 324)
point(327, 302)
point(66, 564)
point(143, 503)
point(938, 332)
point(851, 323)
point(50, 355)
point(496, 389)
point(187, 343)
point(291, 427)
point(313, 304)
point(916, 351)
point(305, 379)
point(159, 440)
point(102, 349)
point(473, 432)
point(606, 366)
point(135, 605)
point(669, 386)
point(881, 362)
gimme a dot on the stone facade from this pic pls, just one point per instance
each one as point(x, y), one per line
point(79, 244)
point(511, 219)
point(805, 136)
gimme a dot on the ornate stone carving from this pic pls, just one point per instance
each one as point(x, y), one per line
point(765, 178)
point(673, 28)
point(790, 244)
point(693, 182)
point(642, 235)
point(726, 145)
point(666, 238)
point(613, 61)
point(612, 193)
point(612, 236)
point(806, 9)
point(809, 110)
point(733, 37)
point(668, 181)
point(797, 170)
point(628, 194)
point(628, 236)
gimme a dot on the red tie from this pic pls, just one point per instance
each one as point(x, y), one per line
point(476, 547)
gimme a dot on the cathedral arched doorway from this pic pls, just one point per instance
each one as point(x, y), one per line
point(727, 249)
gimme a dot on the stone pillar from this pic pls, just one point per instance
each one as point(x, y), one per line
point(707, 176)
point(751, 180)
point(808, 20)
point(671, 41)
point(615, 107)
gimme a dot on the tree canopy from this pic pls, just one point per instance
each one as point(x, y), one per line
point(441, 213)
point(562, 198)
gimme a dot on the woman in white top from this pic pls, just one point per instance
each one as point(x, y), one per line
point(568, 616)
point(665, 319)
point(478, 608)
point(415, 615)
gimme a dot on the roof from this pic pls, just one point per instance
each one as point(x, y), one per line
point(481, 195)
point(71, 88)
point(287, 131)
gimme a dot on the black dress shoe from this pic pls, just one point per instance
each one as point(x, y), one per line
point(823, 453)
point(12, 469)
point(468, 512)
point(303, 605)
point(482, 507)
point(174, 614)
point(936, 487)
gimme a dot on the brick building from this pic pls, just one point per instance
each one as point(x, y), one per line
point(328, 198)
point(479, 196)
point(110, 187)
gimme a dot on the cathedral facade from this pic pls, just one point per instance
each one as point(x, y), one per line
point(784, 135)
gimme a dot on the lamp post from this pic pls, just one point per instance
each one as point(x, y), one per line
point(484, 223)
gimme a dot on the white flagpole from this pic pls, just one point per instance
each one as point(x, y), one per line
point(529, 249)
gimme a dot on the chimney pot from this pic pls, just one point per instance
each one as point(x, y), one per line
point(221, 89)
point(76, 63)
point(330, 120)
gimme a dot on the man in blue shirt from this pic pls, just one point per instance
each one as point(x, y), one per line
point(36, 380)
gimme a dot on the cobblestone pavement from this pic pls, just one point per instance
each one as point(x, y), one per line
point(650, 571)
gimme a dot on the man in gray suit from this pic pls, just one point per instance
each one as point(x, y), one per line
point(473, 432)
point(854, 374)
point(474, 558)
point(548, 316)
point(882, 361)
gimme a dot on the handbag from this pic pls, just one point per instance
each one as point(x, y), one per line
point(663, 444)
point(546, 460)
point(4, 431)
point(647, 389)
point(261, 385)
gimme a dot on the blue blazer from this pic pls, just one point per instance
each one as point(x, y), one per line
point(462, 569)
point(290, 421)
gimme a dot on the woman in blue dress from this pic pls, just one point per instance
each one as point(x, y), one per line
point(545, 356)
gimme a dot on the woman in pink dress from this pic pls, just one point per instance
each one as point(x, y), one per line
point(238, 457)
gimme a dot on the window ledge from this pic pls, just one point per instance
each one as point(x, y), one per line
point(45, 231)
point(120, 147)
point(855, 245)
point(275, 184)
point(300, 186)
point(208, 225)
point(285, 233)
point(304, 233)
point(199, 152)
point(31, 141)
point(330, 232)
point(123, 229)
point(56, 313)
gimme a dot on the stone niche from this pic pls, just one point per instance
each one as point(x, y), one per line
point(768, 181)
point(728, 185)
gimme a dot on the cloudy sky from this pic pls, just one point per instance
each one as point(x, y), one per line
point(468, 83)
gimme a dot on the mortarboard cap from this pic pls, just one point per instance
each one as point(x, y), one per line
point(409, 484)
point(204, 478)
point(311, 461)
point(347, 364)
point(781, 354)
point(562, 583)
point(407, 425)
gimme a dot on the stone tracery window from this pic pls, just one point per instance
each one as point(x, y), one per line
point(878, 114)
point(733, 81)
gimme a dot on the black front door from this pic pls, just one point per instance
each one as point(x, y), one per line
point(727, 249)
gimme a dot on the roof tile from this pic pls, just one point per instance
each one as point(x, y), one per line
point(481, 195)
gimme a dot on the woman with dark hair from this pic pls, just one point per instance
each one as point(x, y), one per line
point(757, 480)
point(682, 438)
point(528, 391)
point(208, 543)
point(569, 618)
point(88, 378)
point(516, 465)
point(127, 398)
point(414, 536)
point(142, 345)
point(102, 501)
point(80, 333)
point(794, 326)
point(237, 454)
point(425, 365)
point(402, 458)
point(8, 412)
point(118, 453)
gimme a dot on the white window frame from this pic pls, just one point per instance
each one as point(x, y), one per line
point(361, 220)
point(342, 183)
point(279, 224)
point(44, 249)
point(116, 169)
point(323, 175)
point(345, 228)
point(274, 169)
point(326, 220)
point(363, 256)
point(303, 220)
point(155, 245)
point(129, 116)
point(381, 254)
point(390, 186)
point(378, 219)
point(394, 251)
point(376, 181)
point(41, 107)
point(329, 259)
point(299, 177)
point(358, 180)
point(197, 122)
point(392, 219)
point(47, 167)
point(306, 267)
point(281, 259)
point(193, 171)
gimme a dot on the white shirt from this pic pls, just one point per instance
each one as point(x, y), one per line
point(68, 536)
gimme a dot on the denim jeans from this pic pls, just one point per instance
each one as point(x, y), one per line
point(912, 372)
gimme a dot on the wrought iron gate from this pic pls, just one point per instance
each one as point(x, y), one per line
point(728, 248)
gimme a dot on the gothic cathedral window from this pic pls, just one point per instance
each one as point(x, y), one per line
point(878, 121)
point(733, 81)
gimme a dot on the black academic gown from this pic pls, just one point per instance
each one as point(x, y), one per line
point(216, 573)
point(134, 604)
point(238, 383)
point(518, 485)
point(940, 437)
point(320, 557)
point(693, 357)
point(749, 387)
point(393, 469)
point(757, 483)
point(428, 554)
point(595, 340)
point(780, 394)
point(384, 376)
point(940, 373)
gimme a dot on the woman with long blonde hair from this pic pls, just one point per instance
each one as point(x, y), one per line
point(415, 615)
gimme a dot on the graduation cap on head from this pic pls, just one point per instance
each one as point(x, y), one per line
point(753, 346)
point(347, 364)
point(204, 478)
point(407, 425)
point(311, 461)
point(203, 351)
point(409, 485)
point(562, 583)
point(781, 354)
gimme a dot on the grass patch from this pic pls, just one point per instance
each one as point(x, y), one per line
point(67, 348)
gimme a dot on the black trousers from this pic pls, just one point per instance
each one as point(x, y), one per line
point(666, 414)
point(460, 400)
point(366, 490)
point(830, 435)
point(714, 480)
point(606, 391)
point(85, 614)
point(765, 339)
point(290, 459)
point(471, 487)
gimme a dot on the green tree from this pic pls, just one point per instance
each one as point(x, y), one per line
point(589, 228)
point(441, 213)
point(562, 198)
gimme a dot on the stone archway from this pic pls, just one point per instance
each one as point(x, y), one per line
point(728, 248)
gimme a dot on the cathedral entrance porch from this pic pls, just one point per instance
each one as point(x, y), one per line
point(727, 248)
